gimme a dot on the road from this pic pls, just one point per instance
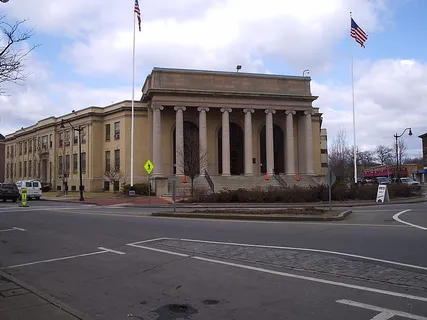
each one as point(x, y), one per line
point(119, 263)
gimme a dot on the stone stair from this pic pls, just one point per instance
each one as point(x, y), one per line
point(304, 181)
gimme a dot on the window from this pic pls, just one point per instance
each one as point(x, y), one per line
point(38, 143)
point(25, 147)
point(76, 137)
point(116, 186)
point(107, 132)
point(44, 142)
point(60, 164)
point(35, 144)
point(107, 161)
point(7, 152)
point(20, 169)
point(106, 185)
point(50, 141)
point(84, 134)
point(30, 168)
point(323, 151)
point(116, 130)
point(35, 168)
point(20, 148)
point(67, 137)
point(25, 168)
point(61, 139)
point(14, 170)
point(7, 171)
point(75, 162)
point(117, 160)
point(83, 162)
point(67, 164)
point(30, 146)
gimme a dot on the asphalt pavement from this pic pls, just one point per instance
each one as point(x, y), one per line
point(120, 263)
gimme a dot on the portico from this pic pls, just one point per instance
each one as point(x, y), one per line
point(247, 124)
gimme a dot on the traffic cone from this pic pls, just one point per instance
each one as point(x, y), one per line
point(266, 176)
point(184, 179)
point(297, 177)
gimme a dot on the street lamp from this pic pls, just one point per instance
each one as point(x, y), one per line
point(79, 130)
point(305, 71)
point(396, 136)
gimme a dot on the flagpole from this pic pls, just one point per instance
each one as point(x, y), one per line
point(354, 113)
point(133, 107)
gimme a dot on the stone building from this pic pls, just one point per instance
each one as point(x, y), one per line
point(249, 127)
point(2, 158)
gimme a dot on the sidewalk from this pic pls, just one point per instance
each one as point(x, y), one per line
point(20, 301)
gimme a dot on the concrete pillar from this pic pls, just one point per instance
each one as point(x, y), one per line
point(290, 144)
point(269, 140)
point(226, 141)
point(249, 171)
point(179, 140)
point(309, 143)
point(203, 140)
point(157, 140)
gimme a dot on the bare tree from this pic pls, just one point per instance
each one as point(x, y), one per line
point(402, 148)
point(115, 176)
point(416, 160)
point(339, 155)
point(193, 159)
point(384, 154)
point(12, 53)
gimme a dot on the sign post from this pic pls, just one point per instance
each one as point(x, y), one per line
point(330, 180)
point(24, 197)
point(149, 167)
point(382, 193)
point(174, 194)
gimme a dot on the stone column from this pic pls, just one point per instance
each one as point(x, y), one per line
point(290, 144)
point(309, 143)
point(203, 140)
point(157, 140)
point(179, 140)
point(269, 140)
point(226, 141)
point(249, 171)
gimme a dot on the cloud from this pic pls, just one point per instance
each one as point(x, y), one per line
point(390, 95)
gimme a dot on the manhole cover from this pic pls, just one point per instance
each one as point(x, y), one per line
point(178, 308)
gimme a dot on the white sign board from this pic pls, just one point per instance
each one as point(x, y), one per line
point(382, 193)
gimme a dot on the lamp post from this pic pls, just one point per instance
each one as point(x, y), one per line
point(305, 71)
point(79, 130)
point(396, 136)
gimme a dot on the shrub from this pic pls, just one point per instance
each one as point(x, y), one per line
point(141, 189)
point(341, 191)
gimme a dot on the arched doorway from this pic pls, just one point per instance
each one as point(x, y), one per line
point(191, 147)
point(279, 152)
point(236, 150)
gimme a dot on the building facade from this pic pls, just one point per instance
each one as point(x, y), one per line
point(246, 125)
point(424, 146)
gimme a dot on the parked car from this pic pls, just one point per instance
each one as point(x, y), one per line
point(9, 191)
point(383, 180)
point(34, 188)
point(409, 181)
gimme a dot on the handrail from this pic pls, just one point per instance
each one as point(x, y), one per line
point(209, 180)
point(281, 181)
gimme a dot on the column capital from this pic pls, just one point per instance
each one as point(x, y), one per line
point(308, 112)
point(157, 107)
point(292, 112)
point(226, 110)
point(203, 109)
point(248, 110)
point(177, 108)
point(270, 111)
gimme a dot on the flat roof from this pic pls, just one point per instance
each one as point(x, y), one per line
point(233, 73)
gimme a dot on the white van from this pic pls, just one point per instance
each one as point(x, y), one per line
point(34, 188)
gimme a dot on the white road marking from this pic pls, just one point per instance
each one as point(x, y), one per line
point(396, 217)
point(334, 283)
point(56, 259)
point(384, 313)
point(13, 229)
point(111, 250)
point(146, 241)
point(311, 250)
point(159, 250)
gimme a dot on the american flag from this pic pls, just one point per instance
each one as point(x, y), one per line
point(138, 14)
point(358, 34)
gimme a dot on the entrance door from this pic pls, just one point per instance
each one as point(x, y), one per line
point(236, 150)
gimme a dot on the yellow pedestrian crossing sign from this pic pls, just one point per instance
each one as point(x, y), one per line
point(149, 166)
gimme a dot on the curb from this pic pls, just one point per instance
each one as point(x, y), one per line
point(75, 313)
point(243, 217)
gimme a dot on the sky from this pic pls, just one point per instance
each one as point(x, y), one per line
point(84, 57)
